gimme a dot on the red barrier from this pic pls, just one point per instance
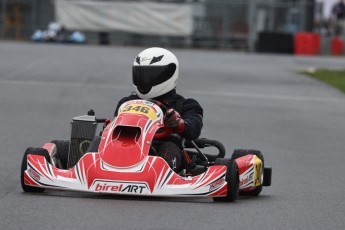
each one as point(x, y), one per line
point(307, 43)
point(337, 46)
point(317, 43)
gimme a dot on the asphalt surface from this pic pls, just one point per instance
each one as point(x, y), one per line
point(250, 101)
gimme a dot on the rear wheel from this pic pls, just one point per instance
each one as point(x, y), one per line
point(244, 152)
point(231, 178)
point(35, 151)
point(62, 150)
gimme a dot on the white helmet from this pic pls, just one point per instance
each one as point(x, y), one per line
point(155, 72)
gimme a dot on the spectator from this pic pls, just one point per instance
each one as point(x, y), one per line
point(338, 15)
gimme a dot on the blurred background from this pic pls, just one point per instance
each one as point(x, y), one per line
point(250, 101)
point(249, 25)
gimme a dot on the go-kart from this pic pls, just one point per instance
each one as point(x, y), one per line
point(118, 161)
point(56, 33)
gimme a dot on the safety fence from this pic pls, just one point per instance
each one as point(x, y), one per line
point(221, 24)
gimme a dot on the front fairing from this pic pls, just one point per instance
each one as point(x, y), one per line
point(126, 141)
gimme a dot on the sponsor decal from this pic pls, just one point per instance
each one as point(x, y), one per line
point(187, 178)
point(145, 59)
point(216, 184)
point(138, 60)
point(247, 179)
point(34, 174)
point(156, 59)
point(143, 102)
point(121, 187)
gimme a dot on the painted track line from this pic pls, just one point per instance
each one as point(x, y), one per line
point(267, 96)
point(193, 92)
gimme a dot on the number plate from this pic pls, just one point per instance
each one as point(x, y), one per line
point(139, 109)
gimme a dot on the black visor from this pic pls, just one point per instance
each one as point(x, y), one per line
point(145, 77)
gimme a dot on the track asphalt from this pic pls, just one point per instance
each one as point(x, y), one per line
point(250, 101)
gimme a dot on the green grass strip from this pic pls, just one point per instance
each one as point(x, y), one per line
point(335, 78)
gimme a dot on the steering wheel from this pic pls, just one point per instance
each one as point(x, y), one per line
point(164, 131)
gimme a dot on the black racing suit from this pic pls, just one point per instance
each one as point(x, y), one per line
point(190, 111)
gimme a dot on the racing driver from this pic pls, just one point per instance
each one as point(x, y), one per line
point(155, 73)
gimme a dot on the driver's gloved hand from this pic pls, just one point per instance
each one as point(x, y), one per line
point(173, 120)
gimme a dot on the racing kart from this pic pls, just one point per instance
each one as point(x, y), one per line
point(56, 33)
point(118, 161)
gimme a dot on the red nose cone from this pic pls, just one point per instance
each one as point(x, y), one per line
point(123, 150)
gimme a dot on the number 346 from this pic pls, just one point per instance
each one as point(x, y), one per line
point(138, 108)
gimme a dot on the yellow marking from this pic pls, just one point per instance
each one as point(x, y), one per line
point(257, 171)
point(139, 109)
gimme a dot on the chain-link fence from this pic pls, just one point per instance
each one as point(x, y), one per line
point(220, 24)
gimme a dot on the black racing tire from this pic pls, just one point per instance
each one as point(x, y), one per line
point(231, 178)
point(62, 150)
point(36, 151)
point(244, 152)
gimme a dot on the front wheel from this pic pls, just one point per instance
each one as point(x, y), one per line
point(35, 151)
point(232, 178)
point(62, 150)
point(244, 152)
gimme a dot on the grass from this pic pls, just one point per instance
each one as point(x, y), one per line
point(335, 78)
